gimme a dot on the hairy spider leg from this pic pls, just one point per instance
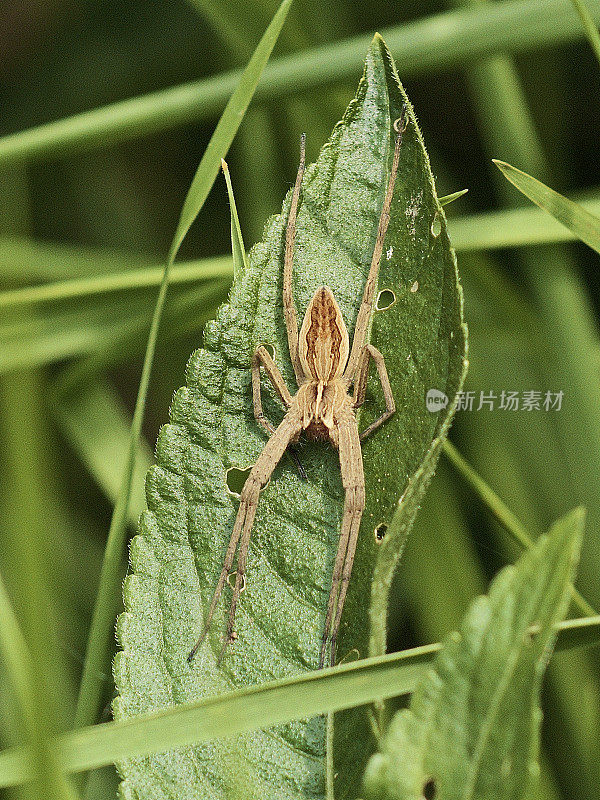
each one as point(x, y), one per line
point(259, 475)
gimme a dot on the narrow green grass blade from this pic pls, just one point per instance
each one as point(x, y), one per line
point(418, 47)
point(80, 331)
point(30, 516)
point(25, 261)
point(185, 313)
point(573, 216)
point(26, 512)
point(472, 730)
point(240, 262)
point(227, 127)
point(589, 26)
point(107, 602)
point(84, 288)
point(330, 690)
point(515, 227)
point(502, 513)
point(15, 653)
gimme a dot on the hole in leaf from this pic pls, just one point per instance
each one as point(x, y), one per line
point(236, 478)
point(429, 789)
point(436, 225)
point(380, 532)
point(231, 581)
point(385, 299)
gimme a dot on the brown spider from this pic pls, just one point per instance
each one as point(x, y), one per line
point(325, 367)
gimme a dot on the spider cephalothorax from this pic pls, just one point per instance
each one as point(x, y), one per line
point(325, 367)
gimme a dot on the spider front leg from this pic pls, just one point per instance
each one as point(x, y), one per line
point(262, 358)
point(360, 387)
point(260, 473)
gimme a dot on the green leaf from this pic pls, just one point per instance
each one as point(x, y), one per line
point(177, 558)
point(472, 729)
point(584, 225)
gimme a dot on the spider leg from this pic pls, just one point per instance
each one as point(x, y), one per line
point(360, 387)
point(258, 477)
point(360, 381)
point(289, 307)
point(335, 578)
point(353, 481)
point(366, 307)
point(263, 358)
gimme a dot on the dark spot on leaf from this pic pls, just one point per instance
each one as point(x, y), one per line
point(429, 789)
point(385, 299)
point(236, 478)
point(380, 531)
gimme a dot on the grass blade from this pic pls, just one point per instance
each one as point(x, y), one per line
point(240, 262)
point(589, 26)
point(106, 602)
point(418, 47)
point(191, 271)
point(502, 513)
point(513, 227)
point(450, 198)
point(573, 216)
point(329, 690)
point(14, 651)
point(97, 426)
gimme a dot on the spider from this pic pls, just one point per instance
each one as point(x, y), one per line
point(325, 367)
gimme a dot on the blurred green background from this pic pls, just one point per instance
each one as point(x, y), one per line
point(526, 93)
